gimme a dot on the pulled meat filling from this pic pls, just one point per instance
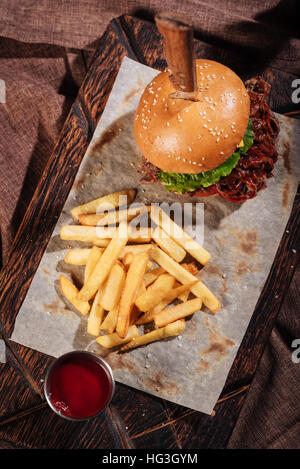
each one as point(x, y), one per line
point(254, 166)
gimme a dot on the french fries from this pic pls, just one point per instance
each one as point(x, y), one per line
point(96, 314)
point(133, 283)
point(105, 263)
point(180, 236)
point(106, 202)
point(70, 292)
point(100, 235)
point(94, 256)
point(127, 285)
point(174, 329)
point(180, 311)
point(183, 276)
point(155, 293)
point(80, 256)
point(171, 296)
point(135, 249)
point(152, 275)
point(113, 340)
point(110, 322)
point(77, 256)
point(113, 287)
point(111, 218)
point(168, 245)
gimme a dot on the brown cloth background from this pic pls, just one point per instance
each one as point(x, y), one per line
point(45, 50)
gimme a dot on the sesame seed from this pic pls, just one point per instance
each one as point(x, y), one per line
point(226, 136)
point(190, 149)
point(221, 153)
point(168, 124)
point(218, 139)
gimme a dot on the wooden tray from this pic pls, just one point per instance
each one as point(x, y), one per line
point(134, 419)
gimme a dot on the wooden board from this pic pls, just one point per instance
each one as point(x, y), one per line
point(25, 418)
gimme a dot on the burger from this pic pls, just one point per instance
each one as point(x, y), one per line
point(224, 143)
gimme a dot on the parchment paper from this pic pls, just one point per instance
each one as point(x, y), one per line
point(242, 238)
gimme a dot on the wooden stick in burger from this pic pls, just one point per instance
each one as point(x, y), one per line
point(179, 52)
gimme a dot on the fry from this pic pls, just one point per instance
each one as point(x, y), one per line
point(86, 234)
point(155, 293)
point(177, 312)
point(110, 322)
point(106, 202)
point(100, 236)
point(111, 218)
point(70, 292)
point(94, 256)
point(180, 236)
point(184, 296)
point(183, 276)
point(105, 263)
point(113, 287)
point(151, 276)
point(77, 256)
point(193, 269)
point(168, 245)
point(133, 283)
point(171, 296)
point(128, 258)
point(96, 314)
point(80, 256)
point(113, 340)
point(170, 330)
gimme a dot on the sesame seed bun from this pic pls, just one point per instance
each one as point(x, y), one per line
point(183, 136)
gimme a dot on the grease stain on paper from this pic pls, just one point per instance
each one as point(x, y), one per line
point(285, 193)
point(217, 349)
point(247, 241)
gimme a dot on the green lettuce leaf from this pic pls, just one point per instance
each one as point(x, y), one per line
point(181, 182)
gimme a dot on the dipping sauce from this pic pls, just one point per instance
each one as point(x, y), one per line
point(79, 385)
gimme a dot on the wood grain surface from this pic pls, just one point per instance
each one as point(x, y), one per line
point(134, 419)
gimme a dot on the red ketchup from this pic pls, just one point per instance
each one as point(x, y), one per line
point(79, 386)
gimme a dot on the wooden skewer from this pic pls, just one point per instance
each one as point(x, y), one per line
point(179, 52)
